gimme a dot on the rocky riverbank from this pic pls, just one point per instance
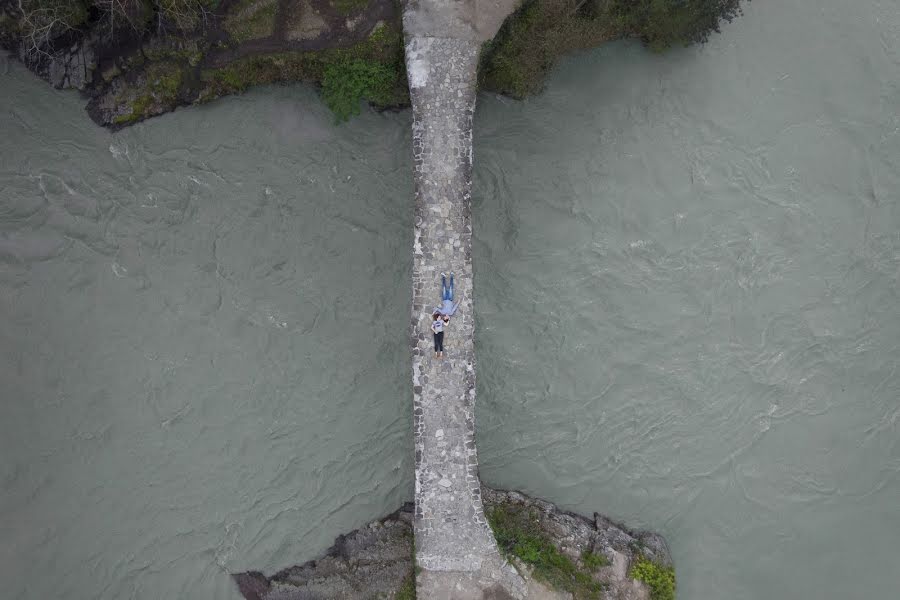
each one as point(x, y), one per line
point(561, 554)
point(148, 57)
point(352, 48)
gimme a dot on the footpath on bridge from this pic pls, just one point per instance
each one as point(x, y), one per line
point(455, 549)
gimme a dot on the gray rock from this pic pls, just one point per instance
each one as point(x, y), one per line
point(377, 559)
point(574, 534)
point(73, 68)
point(373, 561)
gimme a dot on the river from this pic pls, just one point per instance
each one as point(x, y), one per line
point(688, 279)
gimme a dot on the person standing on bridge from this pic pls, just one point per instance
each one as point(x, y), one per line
point(447, 307)
point(437, 328)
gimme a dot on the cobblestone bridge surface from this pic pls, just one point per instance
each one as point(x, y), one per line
point(455, 548)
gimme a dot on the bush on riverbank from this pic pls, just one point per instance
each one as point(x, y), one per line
point(519, 534)
point(531, 40)
point(141, 58)
point(372, 70)
point(660, 579)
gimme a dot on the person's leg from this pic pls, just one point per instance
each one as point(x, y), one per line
point(440, 343)
point(450, 295)
point(436, 343)
point(443, 287)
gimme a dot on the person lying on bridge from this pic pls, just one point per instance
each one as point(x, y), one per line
point(447, 307)
point(437, 328)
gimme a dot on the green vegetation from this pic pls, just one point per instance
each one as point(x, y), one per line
point(348, 81)
point(515, 62)
point(407, 590)
point(251, 19)
point(160, 93)
point(173, 49)
point(372, 70)
point(530, 42)
point(665, 23)
point(519, 534)
point(593, 561)
point(348, 7)
point(660, 579)
point(519, 57)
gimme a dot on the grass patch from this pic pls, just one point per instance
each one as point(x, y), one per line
point(407, 589)
point(593, 561)
point(519, 534)
point(251, 19)
point(661, 580)
point(348, 7)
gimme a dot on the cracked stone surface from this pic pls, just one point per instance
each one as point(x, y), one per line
point(454, 545)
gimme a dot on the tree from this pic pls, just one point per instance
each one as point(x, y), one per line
point(665, 23)
point(42, 22)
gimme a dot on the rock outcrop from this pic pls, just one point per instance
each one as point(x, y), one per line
point(377, 560)
point(371, 561)
point(130, 74)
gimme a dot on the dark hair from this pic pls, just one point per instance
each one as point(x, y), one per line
point(436, 316)
point(446, 318)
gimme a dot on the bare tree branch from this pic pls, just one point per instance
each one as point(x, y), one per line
point(42, 22)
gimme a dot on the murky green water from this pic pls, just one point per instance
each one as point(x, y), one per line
point(203, 356)
point(688, 274)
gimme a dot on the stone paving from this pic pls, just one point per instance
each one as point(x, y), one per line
point(455, 548)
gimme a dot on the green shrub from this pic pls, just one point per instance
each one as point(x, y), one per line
point(519, 534)
point(347, 82)
point(593, 561)
point(372, 70)
point(660, 579)
point(533, 38)
point(665, 23)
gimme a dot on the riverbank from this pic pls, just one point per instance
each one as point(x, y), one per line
point(560, 554)
point(352, 50)
point(151, 61)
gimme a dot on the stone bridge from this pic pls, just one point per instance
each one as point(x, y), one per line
point(455, 549)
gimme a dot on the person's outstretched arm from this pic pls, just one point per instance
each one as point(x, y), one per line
point(455, 306)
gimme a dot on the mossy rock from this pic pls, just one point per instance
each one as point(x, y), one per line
point(519, 535)
point(156, 91)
